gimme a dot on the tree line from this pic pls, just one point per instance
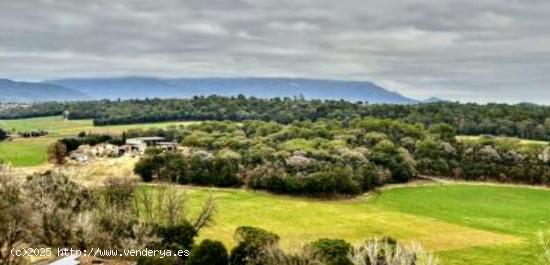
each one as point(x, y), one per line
point(521, 120)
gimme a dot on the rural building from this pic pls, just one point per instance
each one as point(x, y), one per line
point(82, 154)
point(126, 150)
point(79, 157)
point(139, 144)
point(106, 150)
point(168, 146)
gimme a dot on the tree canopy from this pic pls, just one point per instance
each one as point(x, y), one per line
point(521, 120)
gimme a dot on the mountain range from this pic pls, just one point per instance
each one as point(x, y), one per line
point(11, 91)
point(147, 87)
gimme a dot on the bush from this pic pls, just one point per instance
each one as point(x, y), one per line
point(146, 168)
point(252, 245)
point(255, 236)
point(57, 153)
point(209, 253)
point(177, 237)
point(118, 191)
point(386, 249)
point(57, 203)
point(15, 218)
point(331, 251)
point(3, 134)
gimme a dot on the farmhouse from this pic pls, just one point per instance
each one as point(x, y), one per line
point(79, 157)
point(82, 154)
point(167, 146)
point(106, 150)
point(139, 144)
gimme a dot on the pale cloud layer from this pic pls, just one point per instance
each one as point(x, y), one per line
point(484, 50)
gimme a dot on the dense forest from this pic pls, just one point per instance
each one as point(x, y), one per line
point(523, 120)
point(328, 158)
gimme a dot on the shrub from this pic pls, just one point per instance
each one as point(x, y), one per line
point(118, 191)
point(15, 218)
point(146, 167)
point(253, 243)
point(57, 202)
point(177, 237)
point(209, 253)
point(3, 134)
point(331, 251)
point(255, 236)
point(57, 153)
point(387, 251)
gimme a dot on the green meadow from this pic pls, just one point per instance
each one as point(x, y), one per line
point(461, 223)
point(21, 152)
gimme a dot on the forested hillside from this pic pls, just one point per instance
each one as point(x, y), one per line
point(522, 120)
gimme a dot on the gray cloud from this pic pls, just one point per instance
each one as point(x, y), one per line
point(485, 50)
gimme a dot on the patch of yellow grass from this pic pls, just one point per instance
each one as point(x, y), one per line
point(95, 172)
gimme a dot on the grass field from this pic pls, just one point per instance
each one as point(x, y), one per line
point(463, 224)
point(32, 152)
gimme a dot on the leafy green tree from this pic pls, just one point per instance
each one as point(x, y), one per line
point(397, 160)
point(444, 132)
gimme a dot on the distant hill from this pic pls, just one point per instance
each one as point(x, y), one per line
point(142, 87)
point(11, 91)
point(124, 88)
point(434, 100)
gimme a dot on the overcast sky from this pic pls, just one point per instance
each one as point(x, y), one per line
point(482, 50)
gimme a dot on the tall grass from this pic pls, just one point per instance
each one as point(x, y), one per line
point(544, 243)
